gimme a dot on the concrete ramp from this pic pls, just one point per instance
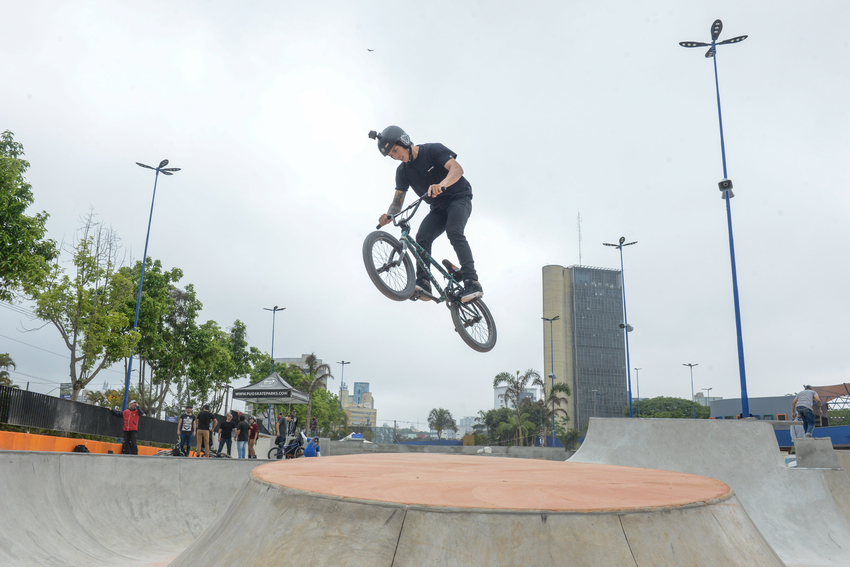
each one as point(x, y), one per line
point(78, 509)
point(804, 513)
point(412, 510)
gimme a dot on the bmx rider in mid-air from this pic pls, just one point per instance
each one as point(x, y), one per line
point(437, 177)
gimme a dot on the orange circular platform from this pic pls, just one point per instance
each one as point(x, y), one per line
point(484, 482)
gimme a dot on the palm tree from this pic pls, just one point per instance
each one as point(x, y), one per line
point(317, 375)
point(550, 405)
point(520, 423)
point(516, 385)
point(6, 362)
point(440, 419)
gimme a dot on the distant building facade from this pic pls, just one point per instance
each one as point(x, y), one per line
point(587, 343)
point(360, 407)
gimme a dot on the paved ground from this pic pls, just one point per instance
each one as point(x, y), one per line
point(400, 510)
point(804, 513)
point(75, 509)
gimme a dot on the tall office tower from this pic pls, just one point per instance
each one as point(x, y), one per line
point(588, 344)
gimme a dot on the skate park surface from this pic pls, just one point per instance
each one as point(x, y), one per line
point(377, 509)
point(726, 498)
point(802, 511)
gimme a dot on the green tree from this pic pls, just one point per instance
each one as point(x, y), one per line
point(317, 376)
point(551, 405)
point(439, 420)
point(487, 423)
point(836, 417)
point(568, 437)
point(25, 254)
point(517, 424)
point(90, 310)
point(6, 362)
point(675, 408)
point(167, 321)
point(516, 385)
point(211, 366)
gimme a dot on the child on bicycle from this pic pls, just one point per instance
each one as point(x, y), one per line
point(437, 177)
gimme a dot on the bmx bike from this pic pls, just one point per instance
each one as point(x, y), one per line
point(391, 270)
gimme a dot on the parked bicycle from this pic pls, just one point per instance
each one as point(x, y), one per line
point(391, 270)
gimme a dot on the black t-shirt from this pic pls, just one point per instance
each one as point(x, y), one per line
point(429, 168)
point(242, 428)
point(186, 421)
point(225, 429)
point(204, 420)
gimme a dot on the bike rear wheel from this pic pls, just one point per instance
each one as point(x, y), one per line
point(474, 324)
point(273, 455)
point(392, 273)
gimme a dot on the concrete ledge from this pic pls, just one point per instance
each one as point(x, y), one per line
point(358, 448)
point(815, 453)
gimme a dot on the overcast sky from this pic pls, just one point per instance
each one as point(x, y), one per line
point(554, 108)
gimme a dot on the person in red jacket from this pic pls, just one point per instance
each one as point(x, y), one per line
point(131, 417)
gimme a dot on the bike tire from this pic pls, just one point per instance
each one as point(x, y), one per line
point(397, 282)
point(475, 325)
point(273, 454)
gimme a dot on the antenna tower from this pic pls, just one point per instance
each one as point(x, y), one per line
point(579, 239)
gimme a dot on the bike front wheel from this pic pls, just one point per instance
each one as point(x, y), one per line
point(273, 454)
point(390, 271)
point(474, 324)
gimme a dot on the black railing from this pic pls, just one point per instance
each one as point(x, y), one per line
point(29, 409)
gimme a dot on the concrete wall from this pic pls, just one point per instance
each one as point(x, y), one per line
point(335, 448)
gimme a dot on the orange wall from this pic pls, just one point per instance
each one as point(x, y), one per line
point(11, 441)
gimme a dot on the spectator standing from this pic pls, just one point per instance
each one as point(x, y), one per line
point(804, 405)
point(314, 426)
point(131, 417)
point(253, 435)
point(293, 423)
point(185, 427)
point(242, 431)
point(225, 431)
point(206, 420)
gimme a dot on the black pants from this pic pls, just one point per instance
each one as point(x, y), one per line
point(222, 442)
point(452, 221)
point(130, 447)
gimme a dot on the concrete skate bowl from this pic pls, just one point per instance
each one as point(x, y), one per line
point(77, 509)
point(804, 513)
point(424, 510)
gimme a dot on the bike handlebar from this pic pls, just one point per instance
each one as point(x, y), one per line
point(414, 205)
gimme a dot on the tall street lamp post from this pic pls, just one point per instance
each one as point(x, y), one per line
point(552, 373)
point(693, 399)
point(726, 187)
point(637, 380)
point(274, 311)
point(625, 325)
point(707, 394)
point(165, 171)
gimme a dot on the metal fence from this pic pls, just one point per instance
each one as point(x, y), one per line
point(29, 409)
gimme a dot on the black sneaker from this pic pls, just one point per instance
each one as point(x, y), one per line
point(471, 290)
point(422, 287)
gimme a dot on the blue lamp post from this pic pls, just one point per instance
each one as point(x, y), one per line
point(625, 324)
point(726, 187)
point(552, 373)
point(165, 171)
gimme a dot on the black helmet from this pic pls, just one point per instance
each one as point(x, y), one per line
point(391, 136)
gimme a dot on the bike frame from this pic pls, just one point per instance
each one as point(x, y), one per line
point(423, 258)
